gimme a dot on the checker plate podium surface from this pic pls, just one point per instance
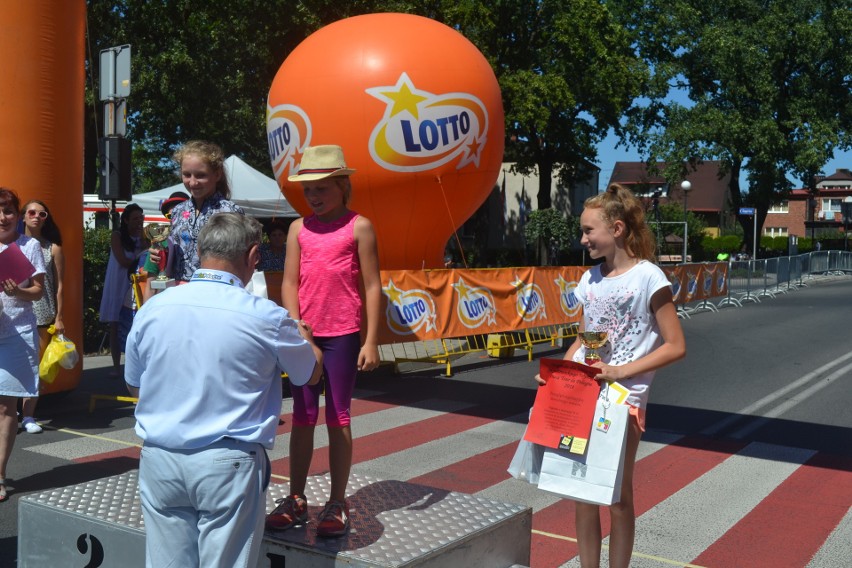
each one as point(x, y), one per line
point(394, 524)
point(99, 522)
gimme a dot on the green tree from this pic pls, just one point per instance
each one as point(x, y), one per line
point(550, 233)
point(668, 230)
point(768, 81)
point(568, 73)
point(203, 69)
point(198, 70)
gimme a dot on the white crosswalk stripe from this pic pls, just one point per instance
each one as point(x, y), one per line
point(685, 524)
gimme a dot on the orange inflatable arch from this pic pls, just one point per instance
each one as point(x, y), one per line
point(41, 118)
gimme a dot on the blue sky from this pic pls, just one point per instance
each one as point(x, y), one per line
point(608, 155)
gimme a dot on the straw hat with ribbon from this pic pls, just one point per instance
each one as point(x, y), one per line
point(320, 162)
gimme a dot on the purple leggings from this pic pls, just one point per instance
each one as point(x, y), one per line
point(340, 366)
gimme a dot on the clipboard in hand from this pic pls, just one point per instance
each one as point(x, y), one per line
point(14, 265)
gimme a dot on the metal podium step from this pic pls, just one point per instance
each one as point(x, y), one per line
point(98, 523)
point(393, 524)
point(399, 524)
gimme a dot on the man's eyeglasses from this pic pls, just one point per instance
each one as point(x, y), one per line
point(34, 213)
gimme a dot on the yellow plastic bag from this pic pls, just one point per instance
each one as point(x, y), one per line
point(60, 352)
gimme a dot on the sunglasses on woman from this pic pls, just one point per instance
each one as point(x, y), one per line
point(34, 213)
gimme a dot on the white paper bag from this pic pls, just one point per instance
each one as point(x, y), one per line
point(596, 476)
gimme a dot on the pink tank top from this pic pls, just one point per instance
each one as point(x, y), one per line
point(330, 276)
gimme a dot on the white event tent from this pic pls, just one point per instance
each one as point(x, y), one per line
point(256, 193)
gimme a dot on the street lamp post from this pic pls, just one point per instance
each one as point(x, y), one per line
point(847, 212)
point(685, 186)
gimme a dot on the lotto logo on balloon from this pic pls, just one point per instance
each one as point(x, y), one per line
point(421, 130)
point(409, 311)
point(288, 132)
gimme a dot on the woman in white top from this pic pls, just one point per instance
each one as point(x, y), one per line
point(18, 330)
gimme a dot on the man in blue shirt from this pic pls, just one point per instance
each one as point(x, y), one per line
point(205, 361)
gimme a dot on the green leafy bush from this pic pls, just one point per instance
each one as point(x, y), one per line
point(712, 246)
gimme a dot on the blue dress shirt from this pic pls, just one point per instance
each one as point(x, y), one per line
point(207, 359)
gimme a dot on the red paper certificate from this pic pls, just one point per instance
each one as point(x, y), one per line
point(14, 265)
point(565, 407)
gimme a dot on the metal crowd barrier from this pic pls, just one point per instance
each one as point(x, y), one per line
point(752, 280)
point(502, 345)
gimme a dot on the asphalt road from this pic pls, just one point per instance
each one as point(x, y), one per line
point(776, 373)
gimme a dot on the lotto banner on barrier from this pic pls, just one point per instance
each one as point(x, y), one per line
point(454, 303)
point(434, 304)
point(695, 282)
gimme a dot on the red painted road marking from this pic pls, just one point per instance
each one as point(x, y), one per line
point(472, 474)
point(656, 478)
point(401, 438)
point(791, 524)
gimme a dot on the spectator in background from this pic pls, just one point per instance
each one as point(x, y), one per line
point(126, 246)
point(39, 224)
point(272, 253)
point(18, 330)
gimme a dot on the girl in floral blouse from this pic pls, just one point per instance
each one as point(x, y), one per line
point(202, 169)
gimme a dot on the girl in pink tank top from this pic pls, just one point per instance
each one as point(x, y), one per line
point(331, 270)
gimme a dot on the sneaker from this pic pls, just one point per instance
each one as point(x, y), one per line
point(334, 519)
point(31, 426)
point(291, 511)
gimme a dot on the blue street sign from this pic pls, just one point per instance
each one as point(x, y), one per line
point(746, 210)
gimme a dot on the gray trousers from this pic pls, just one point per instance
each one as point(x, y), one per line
point(204, 507)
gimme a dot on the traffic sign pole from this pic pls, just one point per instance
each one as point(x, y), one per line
point(752, 212)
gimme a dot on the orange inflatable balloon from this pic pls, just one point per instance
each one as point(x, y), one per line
point(417, 110)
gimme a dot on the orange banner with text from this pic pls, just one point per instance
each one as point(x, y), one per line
point(435, 304)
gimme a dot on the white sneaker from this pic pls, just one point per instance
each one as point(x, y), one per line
point(31, 426)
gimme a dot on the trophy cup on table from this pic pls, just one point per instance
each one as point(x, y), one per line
point(593, 340)
point(158, 233)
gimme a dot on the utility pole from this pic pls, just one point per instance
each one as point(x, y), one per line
point(685, 186)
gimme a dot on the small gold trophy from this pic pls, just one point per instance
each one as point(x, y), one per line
point(158, 233)
point(593, 340)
